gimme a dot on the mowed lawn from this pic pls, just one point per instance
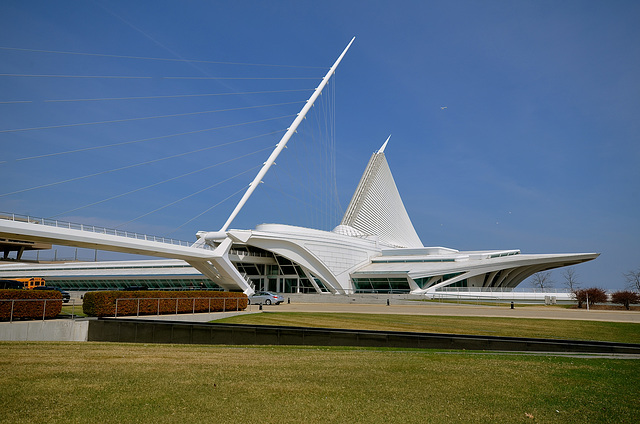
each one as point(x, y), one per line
point(139, 383)
point(511, 327)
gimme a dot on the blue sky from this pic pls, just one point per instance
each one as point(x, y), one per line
point(537, 149)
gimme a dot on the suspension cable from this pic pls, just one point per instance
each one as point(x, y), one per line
point(148, 77)
point(95, 174)
point(167, 96)
point(76, 76)
point(237, 78)
point(158, 58)
point(217, 204)
point(160, 182)
point(104, 146)
point(10, 102)
point(147, 117)
point(188, 196)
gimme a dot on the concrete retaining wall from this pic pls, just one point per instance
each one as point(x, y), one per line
point(49, 330)
point(137, 331)
point(156, 331)
point(66, 330)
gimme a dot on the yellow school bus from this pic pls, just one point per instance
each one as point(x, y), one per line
point(30, 283)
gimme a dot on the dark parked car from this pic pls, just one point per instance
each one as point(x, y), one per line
point(265, 297)
point(135, 288)
point(65, 295)
point(11, 284)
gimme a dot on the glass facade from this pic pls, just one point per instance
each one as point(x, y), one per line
point(98, 283)
point(271, 272)
point(381, 285)
point(283, 276)
point(266, 270)
point(427, 282)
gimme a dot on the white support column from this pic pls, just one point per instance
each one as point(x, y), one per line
point(221, 270)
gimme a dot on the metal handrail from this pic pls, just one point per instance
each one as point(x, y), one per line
point(549, 290)
point(44, 309)
point(239, 252)
point(91, 228)
point(177, 299)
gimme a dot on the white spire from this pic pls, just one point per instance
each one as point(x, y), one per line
point(384, 145)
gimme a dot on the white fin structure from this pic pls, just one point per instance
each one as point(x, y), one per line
point(377, 209)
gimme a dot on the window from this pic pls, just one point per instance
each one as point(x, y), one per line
point(381, 285)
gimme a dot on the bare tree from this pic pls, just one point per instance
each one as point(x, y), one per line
point(541, 280)
point(571, 279)
point(633, 279)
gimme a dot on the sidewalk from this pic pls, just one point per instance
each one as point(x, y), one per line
point(447, 309)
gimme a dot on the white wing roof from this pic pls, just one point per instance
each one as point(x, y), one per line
point(377, 209)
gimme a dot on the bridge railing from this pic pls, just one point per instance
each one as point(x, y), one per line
point(550, 290)
point(241, 253)
point(91, 228)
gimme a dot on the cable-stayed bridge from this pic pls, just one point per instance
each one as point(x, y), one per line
point(211, 262)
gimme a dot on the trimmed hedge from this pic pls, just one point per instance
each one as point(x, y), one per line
point(103, 303)
point(26, 304)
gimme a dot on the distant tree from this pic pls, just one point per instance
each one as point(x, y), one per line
point(541, 280)
point(593, 295)
point(633, 279)
point(571, 279)
point(625, 298)
point(580, 296)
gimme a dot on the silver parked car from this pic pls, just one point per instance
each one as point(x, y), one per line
point(265, 297)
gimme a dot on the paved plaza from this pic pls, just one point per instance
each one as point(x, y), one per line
point(449, 309)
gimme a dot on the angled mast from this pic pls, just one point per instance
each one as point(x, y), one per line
point(283, 141)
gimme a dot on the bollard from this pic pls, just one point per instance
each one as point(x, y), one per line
point(288, 300)
point(511, 305)
point(260, 308)
point(387, 302)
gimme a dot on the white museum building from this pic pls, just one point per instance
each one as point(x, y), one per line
point(374, 249)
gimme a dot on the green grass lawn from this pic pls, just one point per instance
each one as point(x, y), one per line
point(136, 383)
point(75, 310)
point(512, 327)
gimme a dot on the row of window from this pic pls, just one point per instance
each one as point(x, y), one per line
point(103, 268)
point(390, 261)
point(427, 282)
point(116, 284)
point(500, 255)
point(381, 285)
